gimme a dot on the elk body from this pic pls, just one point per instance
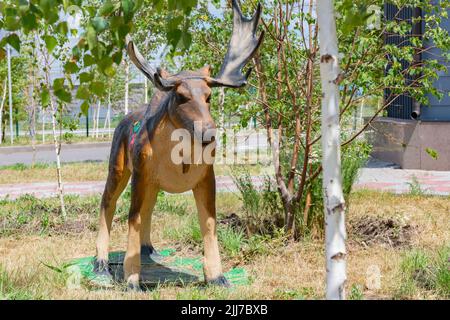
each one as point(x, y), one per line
point(142, 149)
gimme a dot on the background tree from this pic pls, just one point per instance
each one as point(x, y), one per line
point(19, 76)
point(289, 90)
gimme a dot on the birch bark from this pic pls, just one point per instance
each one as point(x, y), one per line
point(2, 104)
point(334, 204)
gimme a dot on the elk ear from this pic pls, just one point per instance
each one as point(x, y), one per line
point(206, 70)
point(163, 73)
point(161, 81)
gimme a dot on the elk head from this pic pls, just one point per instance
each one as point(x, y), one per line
point(191, 90)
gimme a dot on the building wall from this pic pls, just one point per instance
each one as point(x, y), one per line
point(438, 110)
point(405, 143)
point(402, 106)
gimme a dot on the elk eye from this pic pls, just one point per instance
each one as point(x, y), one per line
point(182, 99)
point(208, 100)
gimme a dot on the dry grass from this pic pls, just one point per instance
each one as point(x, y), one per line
point(282, 271)
point(83, 171)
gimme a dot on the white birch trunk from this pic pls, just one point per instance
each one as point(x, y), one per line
point(57, 145)
point(97, 121)
point(58, 159)
point(11, 131)
point(127, 79)
point(221, 134)
point(43, 125)
point(1, 110)
point(334, 204)
point(145, 91)
point(32, 116)
point(94, 117)
point(108, 116)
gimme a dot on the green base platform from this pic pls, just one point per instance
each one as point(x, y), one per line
point(163, 268)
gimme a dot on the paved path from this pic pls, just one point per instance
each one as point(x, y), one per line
point(401, 181)
point(375, 178)
point(99, 151)
point(46, 153)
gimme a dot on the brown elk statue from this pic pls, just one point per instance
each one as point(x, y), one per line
point(142, 149)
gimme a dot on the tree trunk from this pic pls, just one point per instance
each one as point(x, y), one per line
point(10, 96)
point(58, 159)
point(43, 125)
point(32, 116)
point(56, 143)
point(334, 204)
point(145, 91)
point(2, 104)
point(127, 79)
point(97, 121)
point(222, 123)
point(94, 117)
point(108, 116)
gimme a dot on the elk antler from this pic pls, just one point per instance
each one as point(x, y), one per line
point(242, 46)
point(139, 61)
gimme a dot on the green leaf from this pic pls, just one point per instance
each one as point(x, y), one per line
point(50, 43)
point(45, 97)
point(91, 37)
point(117, 57)
point(58, 84)
point(59, 270)
point(173, 37)
point(127, 7)
point(99, 23)
point(11, 20)
point(86, 77)
point(83, 92)
point(106, 8)
point(85, 108)
point(97, 87)
point(14, 41)
point(71, 67)
point(88, 60)
point(187, 40)
point(432, 153)
point(62, 28)
point(110, 71)
point(76, 53)
point(29, 21)
point(63, 95)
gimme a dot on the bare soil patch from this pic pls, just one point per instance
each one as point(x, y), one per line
point(368, 230)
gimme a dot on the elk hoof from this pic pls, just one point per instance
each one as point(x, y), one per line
point(101, 268)
point(103, 277)
point(149, 251)
point(133, 287)
point(220, 281)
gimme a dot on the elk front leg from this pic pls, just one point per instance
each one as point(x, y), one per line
point(147, 248)
point(141, 197)
point(205, 199)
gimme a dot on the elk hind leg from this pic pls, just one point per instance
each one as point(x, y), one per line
point(116, 182)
